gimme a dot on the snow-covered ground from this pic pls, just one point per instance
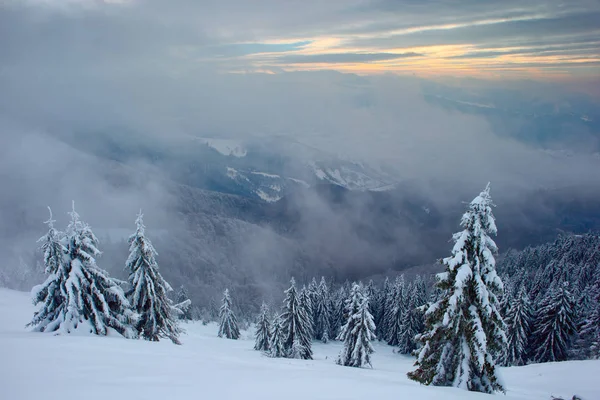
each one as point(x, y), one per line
point(43, 366)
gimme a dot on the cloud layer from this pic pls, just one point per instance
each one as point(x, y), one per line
point(538, 38)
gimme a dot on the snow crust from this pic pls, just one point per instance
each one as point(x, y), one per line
point(65, 367)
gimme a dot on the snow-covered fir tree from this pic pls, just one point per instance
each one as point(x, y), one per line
point(276, 344)
point(590, 330)
point(384, 301)
point(358, 332)
point(411, 322)
point(313, 294)
point(52, 247)
point(555, 325)
point(465, 332)
point(372, 294)
point(395, 311)
point(263, 330)
point(296, 325)
point(337, 319)
point(228, 326)
point(307, 305)
point(184, 304)
point(518, 329)
point(148, 290)
point(78, 295)
point(322, 312)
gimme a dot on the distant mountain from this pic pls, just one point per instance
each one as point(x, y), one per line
point(265, 169)
point(213, 228)
point(565, 122)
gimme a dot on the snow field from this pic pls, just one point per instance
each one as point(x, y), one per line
point(43, 366)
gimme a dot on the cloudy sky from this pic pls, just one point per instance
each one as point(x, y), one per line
point(542, 39)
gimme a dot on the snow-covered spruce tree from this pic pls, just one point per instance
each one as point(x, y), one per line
point(555, 325)
point(411, 322)
point(263, 330)
point(148, 290)
point(358, 332)
point(276, 344)
point(465, 332)
point(590, 331)
point(307, 305)
point(296, 325)
point(228, 326)
point(313, 294)
point(337, 313)
point(322, 309)
point(381, 322)
point(50, 291)
point(518, 329)
point(372, 294)
point(78, 295)
point(396, 309)
point(184, 304)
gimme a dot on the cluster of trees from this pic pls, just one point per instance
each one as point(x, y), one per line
point(551, 301)
point(545, 308)
point(77, 295)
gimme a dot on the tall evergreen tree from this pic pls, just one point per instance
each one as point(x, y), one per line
point(590, 331)
point(358, 331)
point(313, 294)
point(518, 329)
point(396, 309)
point(78, 295)
point(555, 325)
point(322, 312)
point(276, 345)
point(465, 331)
point(306, 303)
point(228, 326)
point(381, 321)
point(337, 312)
point(296, 325)
point(148, 290)
point(184, 304)
point(263, 330)
point(411, 322)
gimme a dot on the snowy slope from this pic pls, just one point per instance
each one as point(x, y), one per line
point(43, 366)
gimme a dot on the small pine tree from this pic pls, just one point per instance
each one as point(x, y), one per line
point(184, 304)
point(518, 329)
point(465, 331)
point(49, 292)
point(296, 324)
point(276, 345)
point(555, 325)
point(78, 295)
point(228, 326)
point(358, 332)
point(263, 330)
point(148, 290)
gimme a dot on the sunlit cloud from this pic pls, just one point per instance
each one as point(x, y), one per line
point(538, 38)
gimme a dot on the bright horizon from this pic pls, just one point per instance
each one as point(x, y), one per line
point(541, 40)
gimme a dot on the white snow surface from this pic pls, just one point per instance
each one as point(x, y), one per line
point(267, 197)
point(44, 366)
point(265, 174)
point(226, 147)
